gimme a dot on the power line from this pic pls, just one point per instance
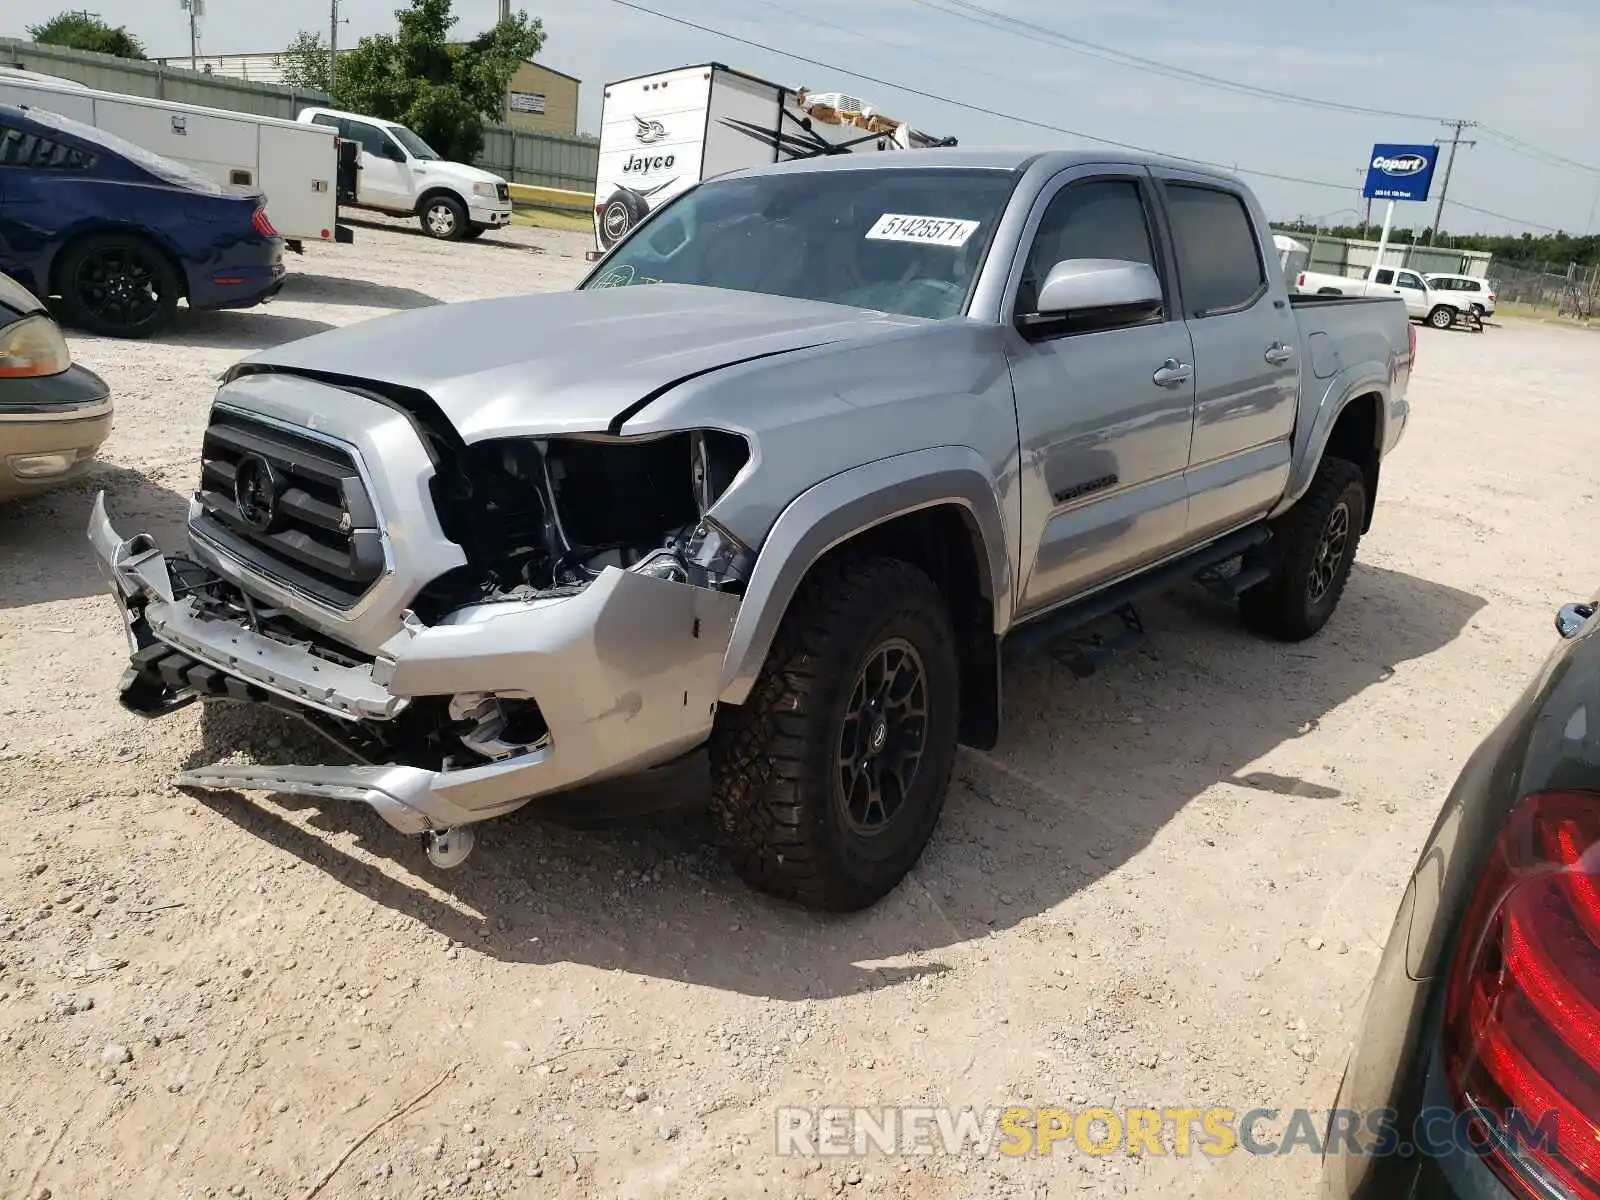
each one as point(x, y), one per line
point(1528, 150)
point(1503, 217)
point(1005, 23)
point(993, 19)
point(1018, 119)
point(977, 108)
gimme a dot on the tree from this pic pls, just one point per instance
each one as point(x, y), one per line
point(87, 31)
point(443, 91)
point(305, 62)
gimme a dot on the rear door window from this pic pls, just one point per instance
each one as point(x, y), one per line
point(1219, 259)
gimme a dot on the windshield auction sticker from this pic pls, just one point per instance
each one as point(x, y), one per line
point(930, 231)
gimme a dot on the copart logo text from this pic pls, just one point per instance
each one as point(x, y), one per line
point(1401, 164)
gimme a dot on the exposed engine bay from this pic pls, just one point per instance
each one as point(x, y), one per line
point(543, 516)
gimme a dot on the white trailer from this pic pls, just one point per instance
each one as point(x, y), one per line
point(662, 133)
point(294, 166)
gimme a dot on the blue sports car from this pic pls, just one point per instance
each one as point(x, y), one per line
point(120, 234)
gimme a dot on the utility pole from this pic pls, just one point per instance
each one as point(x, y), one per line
point(333, 43)
point(1438, 213)
point(196, 10)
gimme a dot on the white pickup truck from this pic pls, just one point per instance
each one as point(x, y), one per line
point(401, 173)
point(1424, 302)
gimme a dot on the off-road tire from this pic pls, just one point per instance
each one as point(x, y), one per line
point(437, 226)
point(1442, 316)
point(1287, 606)
point(776, 787)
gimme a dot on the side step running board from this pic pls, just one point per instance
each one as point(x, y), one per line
point(1199, 564)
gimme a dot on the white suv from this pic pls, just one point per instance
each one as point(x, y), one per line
point(1480, 292)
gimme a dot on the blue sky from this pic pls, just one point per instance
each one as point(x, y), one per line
point(1526, 69)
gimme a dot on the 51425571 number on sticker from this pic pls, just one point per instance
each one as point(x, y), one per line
point(934, 231)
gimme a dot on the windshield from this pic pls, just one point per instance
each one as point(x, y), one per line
point(898, 240)
point(414, 145)
point(163, 169)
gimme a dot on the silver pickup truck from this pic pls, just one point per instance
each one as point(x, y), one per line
point(781, 478)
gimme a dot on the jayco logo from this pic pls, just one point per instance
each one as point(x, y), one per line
point(1401, 164)
point(643, 164)
point(648, 132)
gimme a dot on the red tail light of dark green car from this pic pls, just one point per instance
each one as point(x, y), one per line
point(1522, 1012)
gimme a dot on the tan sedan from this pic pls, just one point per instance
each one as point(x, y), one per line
point(53, 415)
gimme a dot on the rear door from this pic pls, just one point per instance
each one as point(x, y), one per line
point(1103, 412)
point(1246, 350)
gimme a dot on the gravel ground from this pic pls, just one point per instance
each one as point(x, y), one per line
point(1168, 886)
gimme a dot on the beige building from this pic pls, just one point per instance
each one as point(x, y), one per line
point(538, 98)
point(543, 99)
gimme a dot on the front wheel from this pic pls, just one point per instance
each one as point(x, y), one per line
point(118, 286)
point(829, 780)
point(1442, 317)
point(445, 218)
point(1312, 549)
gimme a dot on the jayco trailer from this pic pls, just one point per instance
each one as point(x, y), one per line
point(661, 133)
point(295, 166)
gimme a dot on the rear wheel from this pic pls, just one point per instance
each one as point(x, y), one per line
point(444, 217)
point(117, 286)
point(1442, 317)
point(829, 780)
point(1312, 549)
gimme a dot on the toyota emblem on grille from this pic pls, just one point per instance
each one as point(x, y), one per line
point(255, 491)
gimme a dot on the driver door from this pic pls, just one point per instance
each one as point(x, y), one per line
point(385, 177)
point(1105, 414)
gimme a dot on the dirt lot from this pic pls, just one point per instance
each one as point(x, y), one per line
point(1169, 885)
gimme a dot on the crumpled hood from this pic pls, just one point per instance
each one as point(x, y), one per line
point(569, 362)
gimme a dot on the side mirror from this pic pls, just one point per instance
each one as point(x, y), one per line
point(390, 150)
point(1095, 293)
point(1083, 283)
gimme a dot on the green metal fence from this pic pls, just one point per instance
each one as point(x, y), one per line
point(522, 156)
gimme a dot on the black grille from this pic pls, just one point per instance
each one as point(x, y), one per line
point(503, 190)
point(323, 537)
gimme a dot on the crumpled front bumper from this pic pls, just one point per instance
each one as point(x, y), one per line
point(625, 673)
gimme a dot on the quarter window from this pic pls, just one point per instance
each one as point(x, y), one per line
point(21, 148)
point(1219, 260)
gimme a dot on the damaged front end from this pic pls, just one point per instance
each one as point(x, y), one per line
point(576, 630)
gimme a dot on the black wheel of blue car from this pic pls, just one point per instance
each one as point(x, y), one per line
point(1312, 550)
point(829, 780)
point(116, 285)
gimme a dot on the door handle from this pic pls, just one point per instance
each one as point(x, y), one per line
point(1278, 354)
point(1172, 372)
